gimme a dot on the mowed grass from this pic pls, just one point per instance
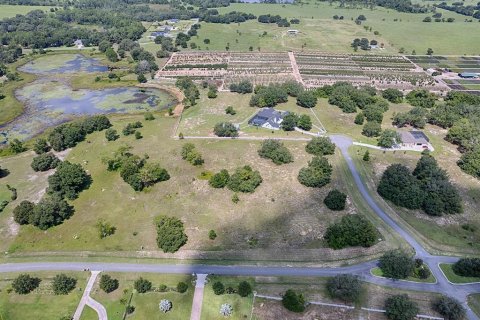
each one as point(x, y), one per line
point(281, 214)
point(397, 30)
point(242, 306)
point(474, 303)
point(9, 11)
point(431, 279)
point(146, 304)
point(455, 278)
point(42, 303)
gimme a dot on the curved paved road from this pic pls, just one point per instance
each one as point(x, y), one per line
point(459, 292)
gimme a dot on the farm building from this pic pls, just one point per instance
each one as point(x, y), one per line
point(415, 139)
point(79, 44)
point(293, 31)
point(268, 118)
point(467, 75)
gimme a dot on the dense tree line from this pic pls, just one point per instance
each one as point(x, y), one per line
point(427, 188)
point(68, 135)
point(460, 8)
point(268, 18)
point(189, 90)
point(292, 120)
point(402, 6)
point(270, 96)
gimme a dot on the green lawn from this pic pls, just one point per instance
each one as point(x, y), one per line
point(88, 314)
point(8, 11)
point(146, 304)
point(431, 279)
point(474, 303)
point(42, 303)
point(455, 278)
point(242, 307)
point(396, 30)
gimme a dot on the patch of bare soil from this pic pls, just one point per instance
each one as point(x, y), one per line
point(269, 310)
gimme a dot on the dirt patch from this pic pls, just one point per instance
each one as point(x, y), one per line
point(267, 310)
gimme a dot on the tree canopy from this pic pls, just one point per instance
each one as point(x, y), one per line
point(316, 174)
point(170, 233)
point(396, 264)
point(351, 231)
point(275, 151)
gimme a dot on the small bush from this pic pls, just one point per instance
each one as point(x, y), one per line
point(218, 288)
point(62, 284)
point(25, 284)
point(335, 200)
point(345, 287)
point(219, 180)
point(148, 116)
point(320, 146)
point(396, 264)
point(182, 287)
point(400, 307)
point(45, 162)
point(245, 179)
point(111, 134)
point(212, 235)
point(225, 129)
point(351, 231)
point(244, 289)
point(293, 301)
point(142, 285)
point(316, 174)
point(450, 308)
point(170, 233)
point(108, 284)
point(275, 151)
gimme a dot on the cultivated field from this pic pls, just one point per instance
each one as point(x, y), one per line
point(313, 69)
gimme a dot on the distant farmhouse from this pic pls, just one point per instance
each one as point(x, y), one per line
point(268, 118)
point(415, 139)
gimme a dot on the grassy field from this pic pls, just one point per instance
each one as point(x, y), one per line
point(281, 216)
point(396, 30)
point(8, 11)
point(431, 279)
point(42, 303)
point(474, 303)
point(455, 278)
point(146, 304)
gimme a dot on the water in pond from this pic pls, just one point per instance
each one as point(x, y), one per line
point(63, 64)
point(49, 102)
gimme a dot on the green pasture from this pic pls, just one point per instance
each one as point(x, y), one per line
point(474, 303)
point(9, 11)
point(146, 304)
point(455, 278)
point(408, 31)
point(42, 303)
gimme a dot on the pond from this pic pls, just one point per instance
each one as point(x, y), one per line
point(49, 100)
point(63, 64)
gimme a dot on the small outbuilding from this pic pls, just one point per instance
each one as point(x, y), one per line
point(293, 32)
point(468, 75)
point(268, 118)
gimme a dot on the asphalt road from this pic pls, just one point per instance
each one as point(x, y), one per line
point(460, 292)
